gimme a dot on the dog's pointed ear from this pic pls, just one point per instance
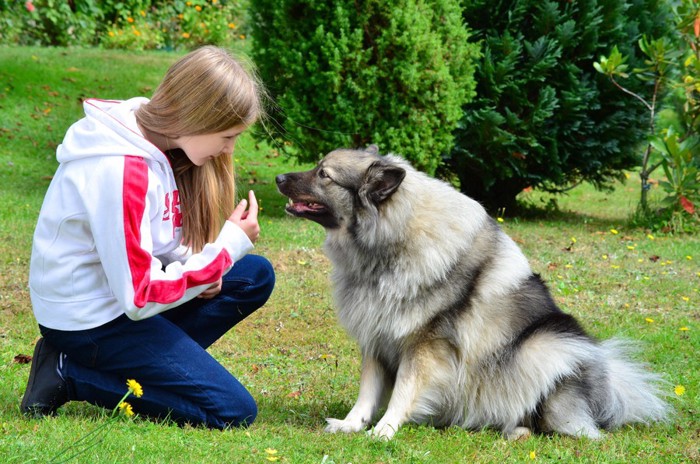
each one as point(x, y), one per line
point(372, 149)
point(381, 181)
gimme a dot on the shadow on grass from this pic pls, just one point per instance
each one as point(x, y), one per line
point(299, 413)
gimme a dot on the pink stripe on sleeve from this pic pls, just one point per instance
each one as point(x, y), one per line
point(147, 290)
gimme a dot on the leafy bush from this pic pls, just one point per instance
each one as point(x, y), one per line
point(346, 74)
point(671, 70)
point(132, 24)
point(49, 22)
point(543, 117)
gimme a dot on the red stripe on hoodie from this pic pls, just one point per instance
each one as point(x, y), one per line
point(146, 290)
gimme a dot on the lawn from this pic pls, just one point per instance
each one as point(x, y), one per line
point(291, 354)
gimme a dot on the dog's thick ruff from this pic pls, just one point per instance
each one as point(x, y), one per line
point(453, 325)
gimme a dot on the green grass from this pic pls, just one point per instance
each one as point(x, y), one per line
point(291, 354)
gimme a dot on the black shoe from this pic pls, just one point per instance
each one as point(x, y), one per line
point(46, 390)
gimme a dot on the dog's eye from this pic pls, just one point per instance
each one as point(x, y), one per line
point(323, 174)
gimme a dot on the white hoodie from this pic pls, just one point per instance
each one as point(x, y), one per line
point(108, 239)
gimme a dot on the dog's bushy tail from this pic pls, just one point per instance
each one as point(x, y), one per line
point(635, 394)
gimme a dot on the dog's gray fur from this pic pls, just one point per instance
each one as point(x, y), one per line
point(453, 326)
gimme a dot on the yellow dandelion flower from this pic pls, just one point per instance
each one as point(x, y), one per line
point(242, 36)
point(110, 33)
point(533, 455)
point(270, 451)
point(649, 320)
point(231, 26)
point(679, 390)
point(604, 256)
point(683, 329)
point(614, 231)
point(685, 298)
point(198, 8)
point(650, 237)
point(185, 35)
point(143, 13)
point(689, 258)
point(573, 239)
point(569, 266)
point(500, 219)
point(130, 20)
point(136, 32)
point(135, 388)
point(188, 3)
point(126, 409)
point(615, 266)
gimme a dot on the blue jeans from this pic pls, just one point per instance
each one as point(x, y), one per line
point(167, 355)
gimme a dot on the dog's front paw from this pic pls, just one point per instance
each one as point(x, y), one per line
point(383, 431)
point(345, 426)
point(518, 433)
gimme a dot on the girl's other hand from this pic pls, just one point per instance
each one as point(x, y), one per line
point(212, 291)
point(245, 216)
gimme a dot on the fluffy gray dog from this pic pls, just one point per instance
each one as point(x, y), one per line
point(453, 325)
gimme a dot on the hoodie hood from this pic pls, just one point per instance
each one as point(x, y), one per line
point(108, 129)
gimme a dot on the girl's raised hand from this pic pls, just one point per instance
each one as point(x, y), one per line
point(245, 216)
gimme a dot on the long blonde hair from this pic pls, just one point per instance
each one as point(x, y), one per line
point(205, 92)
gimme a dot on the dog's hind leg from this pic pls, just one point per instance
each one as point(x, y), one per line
point(566, 411)
point(372, 386)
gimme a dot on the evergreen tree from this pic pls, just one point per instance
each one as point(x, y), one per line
point(350, 73)
point(543, 117)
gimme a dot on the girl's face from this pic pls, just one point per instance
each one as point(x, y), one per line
point(201, 148)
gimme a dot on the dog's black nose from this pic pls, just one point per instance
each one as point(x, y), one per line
point(281, 179)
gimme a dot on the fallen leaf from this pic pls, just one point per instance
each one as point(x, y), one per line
point(22, 359)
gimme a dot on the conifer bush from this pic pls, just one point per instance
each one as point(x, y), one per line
point(543, 117)
point(347, 74)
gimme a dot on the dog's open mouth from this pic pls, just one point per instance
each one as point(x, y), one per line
point(303, 208)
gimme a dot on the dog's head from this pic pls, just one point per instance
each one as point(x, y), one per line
point(342, 184)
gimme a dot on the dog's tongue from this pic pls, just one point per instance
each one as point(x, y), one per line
point(302, 206)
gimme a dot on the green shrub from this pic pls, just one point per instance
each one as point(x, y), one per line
point(175, 24)
point(49, 22)
point(347, 74)
point(672, 73)
point(543, 117)
point(132, 24)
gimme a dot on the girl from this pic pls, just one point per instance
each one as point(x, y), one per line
point(139, 260)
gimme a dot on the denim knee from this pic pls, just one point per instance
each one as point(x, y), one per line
point(259, 275)
point(266, 275)
point(242, 413)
